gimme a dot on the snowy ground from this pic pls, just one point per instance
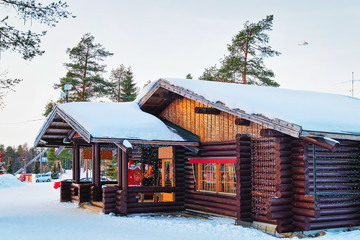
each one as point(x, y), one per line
point(33, 211)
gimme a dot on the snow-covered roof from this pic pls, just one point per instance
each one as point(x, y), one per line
point(105, 122)
point(310, 111)
point(118, 121)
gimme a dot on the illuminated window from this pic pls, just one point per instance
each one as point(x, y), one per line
point(215, 175)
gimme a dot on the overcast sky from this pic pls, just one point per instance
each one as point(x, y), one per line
point(172, 38)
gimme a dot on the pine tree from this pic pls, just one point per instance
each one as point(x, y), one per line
point(129, 89)
point(54, 171)
point(210, 74)
point(188, 76)
point(123, 88)
point(36, 169)
point(27, 43)
point(10, 167)
point(6, 85)
point(118, 77)
point(84, 70)
point(51, 157)
point(245, 61)
point(49, 107)
point(111, 172)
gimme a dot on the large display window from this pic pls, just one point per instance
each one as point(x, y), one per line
point(214, 175)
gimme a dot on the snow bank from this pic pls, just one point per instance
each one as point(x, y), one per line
point(36, 213)
point(9, 180)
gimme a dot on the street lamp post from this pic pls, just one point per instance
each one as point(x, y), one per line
point(67, 87)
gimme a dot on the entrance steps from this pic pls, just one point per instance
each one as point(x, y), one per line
point(93, 206)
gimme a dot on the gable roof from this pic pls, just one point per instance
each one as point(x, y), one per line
point(112, 121)
point(293, 112)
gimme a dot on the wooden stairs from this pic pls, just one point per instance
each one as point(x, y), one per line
point(93, 206)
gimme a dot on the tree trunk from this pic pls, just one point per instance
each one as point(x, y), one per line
point(245, 63)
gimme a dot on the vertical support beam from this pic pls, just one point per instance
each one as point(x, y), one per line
point(124, 166)
point(76, 159)
point(93, 163)
point(96, 172)
point(97, 164)
point(97, 178)
point(124, 181)
point(119, 166)
point(72, 162)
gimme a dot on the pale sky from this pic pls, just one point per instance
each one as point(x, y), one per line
point(170, 38)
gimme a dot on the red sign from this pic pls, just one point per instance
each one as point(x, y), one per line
point(212, 160)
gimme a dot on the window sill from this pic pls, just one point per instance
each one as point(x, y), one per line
point(215, 193)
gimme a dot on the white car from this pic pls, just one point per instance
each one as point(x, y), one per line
point(46, 177)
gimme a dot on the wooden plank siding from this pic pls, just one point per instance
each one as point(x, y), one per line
point(209, 127)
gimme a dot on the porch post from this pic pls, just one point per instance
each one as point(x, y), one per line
point(124, 166)
point(119, 166)
point(124, 182)
point(76, 163)
point(93, 163)
point(96, 179)
point(73, 162)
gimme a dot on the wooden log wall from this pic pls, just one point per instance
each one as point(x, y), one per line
point(109, 198)
point(80, 192)
point(209, 127)
point(271, 182)
point(179, 168)
point(335, 203)
point(223, 204)
point(65, 194)
point(133, 206)
point(303, 201)
point(121, 205)
point(243, 177)
point(95, 194)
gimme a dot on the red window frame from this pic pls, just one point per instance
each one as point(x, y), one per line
point(212, 160)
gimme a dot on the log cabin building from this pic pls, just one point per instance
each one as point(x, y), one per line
point(286, 158)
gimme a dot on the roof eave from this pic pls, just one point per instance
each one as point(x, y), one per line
point(307, 133)
point(72, 122)
point(276, 124)
point(45, 127)
point(141, 141)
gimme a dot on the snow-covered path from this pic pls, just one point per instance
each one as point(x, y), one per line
point(33, 211)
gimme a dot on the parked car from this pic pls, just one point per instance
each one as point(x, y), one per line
point(84, 179)
point(46, 177)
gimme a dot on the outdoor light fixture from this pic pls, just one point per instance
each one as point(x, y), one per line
point(67, 87)
point(67, 140)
